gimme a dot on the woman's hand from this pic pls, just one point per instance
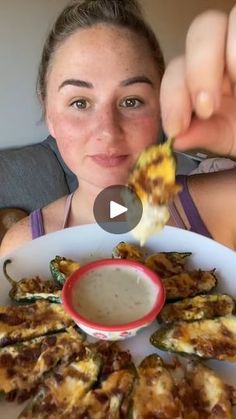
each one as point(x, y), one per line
point(198, 91)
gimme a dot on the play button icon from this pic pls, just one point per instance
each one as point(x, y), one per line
point(117, 209)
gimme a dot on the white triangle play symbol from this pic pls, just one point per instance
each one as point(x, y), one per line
point(116, 209)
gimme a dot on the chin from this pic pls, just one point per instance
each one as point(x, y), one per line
point(113, 180)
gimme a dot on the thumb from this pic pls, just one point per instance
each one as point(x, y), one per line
point(214, 134)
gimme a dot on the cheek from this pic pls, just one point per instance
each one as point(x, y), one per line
point(145, 131)
point(69, 139)
point(64, 128)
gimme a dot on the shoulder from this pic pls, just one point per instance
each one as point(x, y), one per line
point(214, 194)
point(214, 184)
point(53, 215)
point(17, 235)
point(21, 233)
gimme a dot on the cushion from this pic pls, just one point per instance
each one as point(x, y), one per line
point(31, 177)
point(185, 164)
point(71, 179)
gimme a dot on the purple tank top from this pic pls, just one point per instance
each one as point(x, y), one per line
point(195, 221)
point(36, 222)
point(36, 219)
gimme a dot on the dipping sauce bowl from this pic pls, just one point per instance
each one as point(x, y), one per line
point(113, 299)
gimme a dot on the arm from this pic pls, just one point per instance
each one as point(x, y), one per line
point(16, 236)
point(198, 100)
point(215, 197)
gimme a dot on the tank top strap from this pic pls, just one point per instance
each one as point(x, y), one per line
point(67, 210)
point(175, 215)
point(36, 224)
point(190, 209)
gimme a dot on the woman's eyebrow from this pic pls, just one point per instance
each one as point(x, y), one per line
point(76, 82)
point(136, 79)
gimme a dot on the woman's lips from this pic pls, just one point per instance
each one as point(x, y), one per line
point(108, 161)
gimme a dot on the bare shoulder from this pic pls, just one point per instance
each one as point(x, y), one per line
point(21, 233)
point(215, 197)
point(53, 215)
point(17, 235)
point(219, 184)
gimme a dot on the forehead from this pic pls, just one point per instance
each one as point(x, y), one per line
point(103, 48)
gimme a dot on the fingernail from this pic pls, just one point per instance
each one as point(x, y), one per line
point(204, 105)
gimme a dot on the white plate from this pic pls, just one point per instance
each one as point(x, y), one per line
point(91, 242)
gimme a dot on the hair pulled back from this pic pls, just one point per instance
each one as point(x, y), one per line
point(80, 14)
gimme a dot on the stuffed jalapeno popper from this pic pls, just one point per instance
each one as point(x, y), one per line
point(24, 322)
point(23, 365)
point(189, 284)
point(167, 264)
point(206, 394)
point(155, 392)
point(124, 250)
point(28, 290)
point(214, 338)
point(153, 180)
point(63, 388)
point(197, 308)
point(61, 268)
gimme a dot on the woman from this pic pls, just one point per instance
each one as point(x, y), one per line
point(99, 85)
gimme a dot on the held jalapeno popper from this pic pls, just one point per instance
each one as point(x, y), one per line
point(153, 180)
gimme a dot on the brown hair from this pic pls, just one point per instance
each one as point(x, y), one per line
point(86, 13)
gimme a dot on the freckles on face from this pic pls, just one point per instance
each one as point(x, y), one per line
point(103, 121)
point(144, 132)
point(68, 136)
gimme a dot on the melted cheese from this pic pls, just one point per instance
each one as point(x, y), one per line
point(153, 180)
point(214, 338)
point(155, 393)
point(18, 323)
point(152, 221)
point(18, 372)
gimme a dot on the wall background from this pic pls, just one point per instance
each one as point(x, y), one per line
point(23, 27)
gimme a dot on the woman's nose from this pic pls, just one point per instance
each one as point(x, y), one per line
point(109, 126)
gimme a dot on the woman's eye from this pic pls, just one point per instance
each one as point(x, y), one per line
point(80, 104)
point(131, 103)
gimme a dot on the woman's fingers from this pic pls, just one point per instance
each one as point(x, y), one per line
point(175, 99)
point(216, 134)
point(231, 46)
point(197, 102)
point(194, 82)
point(206, 134)
point(205, 61)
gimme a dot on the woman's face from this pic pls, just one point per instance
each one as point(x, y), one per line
point(102, 102)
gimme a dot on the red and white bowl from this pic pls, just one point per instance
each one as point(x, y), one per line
point(119, 330)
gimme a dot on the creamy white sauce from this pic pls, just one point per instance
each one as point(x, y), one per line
point(113, 295)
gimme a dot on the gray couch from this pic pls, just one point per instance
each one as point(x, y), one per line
point(35, 175)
